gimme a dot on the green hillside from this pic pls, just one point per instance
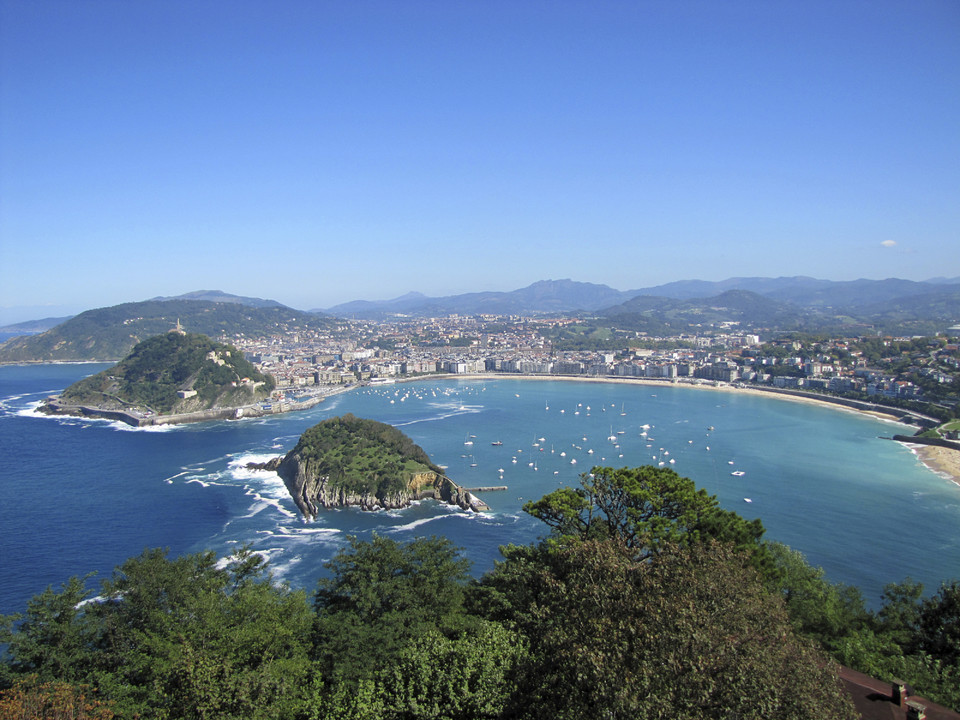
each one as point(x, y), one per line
point(362, 455)
point(110, 333)
point(158, 368)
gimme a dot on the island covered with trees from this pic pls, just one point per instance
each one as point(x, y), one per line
point(348, 460)
point(174, 374)
point(646, 600)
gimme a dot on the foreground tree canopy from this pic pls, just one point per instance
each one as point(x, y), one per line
point(647, 601)
point(644, 509)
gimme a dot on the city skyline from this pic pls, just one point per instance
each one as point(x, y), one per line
point(320, 153)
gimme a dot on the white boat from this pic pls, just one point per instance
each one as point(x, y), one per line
point(738, 473)
point(747, 500)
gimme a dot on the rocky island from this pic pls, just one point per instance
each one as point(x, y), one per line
point(174, 377)
point(350, 461)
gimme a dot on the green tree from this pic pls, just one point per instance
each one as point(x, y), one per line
point(899, 616)
point(644, 508)
point(53, 640)
point(688, 633)
point(939, 624)
point(392, 628)
point(183, 638)
point(822, 610)
point(383, 594)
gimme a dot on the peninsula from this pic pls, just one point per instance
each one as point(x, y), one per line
point(350, 461)
point(174, 377)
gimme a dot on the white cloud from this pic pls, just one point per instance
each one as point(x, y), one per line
point(889, 243)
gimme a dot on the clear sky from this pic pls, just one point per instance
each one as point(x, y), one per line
point(318, 152)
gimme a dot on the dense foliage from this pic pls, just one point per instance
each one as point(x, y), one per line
point(362, 455)
point(644, 509)
point(173, 639)
point(151, 375)
point(110, 333)
point(690, 633)
point(637, 614)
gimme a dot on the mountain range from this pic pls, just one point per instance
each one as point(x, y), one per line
point(566, 296)
point(891, 306)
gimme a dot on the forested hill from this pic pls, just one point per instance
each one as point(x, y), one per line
point(150, 377)
point(355, 461)
point(110, 333)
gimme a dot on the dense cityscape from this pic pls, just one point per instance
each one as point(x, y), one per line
point(922, 374)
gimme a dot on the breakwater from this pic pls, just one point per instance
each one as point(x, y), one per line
point(939, 442)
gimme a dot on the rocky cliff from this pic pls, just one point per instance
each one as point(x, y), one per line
point(312, 491)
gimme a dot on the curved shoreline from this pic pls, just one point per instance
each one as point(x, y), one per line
point(942, 461)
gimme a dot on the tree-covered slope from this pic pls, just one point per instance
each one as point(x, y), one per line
point(110, 333)
point(361, 456)
point(151, 376)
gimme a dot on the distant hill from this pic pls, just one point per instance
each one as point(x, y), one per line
point(660, 315)
point(220, 296)
point(854, 308)
point(806, 291)
point(546, 296)
point(800, 301)
point(34, 326)
point(205, 373)
point(110, 333)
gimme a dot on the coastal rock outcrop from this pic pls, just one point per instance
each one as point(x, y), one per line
point(348, 461)
point(312, 491)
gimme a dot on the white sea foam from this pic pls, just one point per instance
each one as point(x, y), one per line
point(454, 410)
point(124, 427)
point(30, 410)
point(269, 502)
point(297, 531)
point(415, 524)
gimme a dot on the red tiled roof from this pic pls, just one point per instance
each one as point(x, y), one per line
point(874, 699)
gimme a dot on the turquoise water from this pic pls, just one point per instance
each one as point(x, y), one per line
point(81, 495)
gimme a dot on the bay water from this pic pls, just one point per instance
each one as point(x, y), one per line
point(80, 496)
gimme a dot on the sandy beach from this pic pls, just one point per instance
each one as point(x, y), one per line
point(941, 460)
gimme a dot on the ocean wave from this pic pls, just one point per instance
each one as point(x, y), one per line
point(297, 531)
point(414, 525)
point(459, 410)
point(269, 502)
point(240, 471)
point(32, 410)
point(170, 479)
point(124, 427)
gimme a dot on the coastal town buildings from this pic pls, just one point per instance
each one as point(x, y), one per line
point(365, 351)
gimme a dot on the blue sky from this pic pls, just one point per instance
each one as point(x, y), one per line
point(320, 152)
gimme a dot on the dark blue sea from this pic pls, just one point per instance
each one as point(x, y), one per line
point(80, 496)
